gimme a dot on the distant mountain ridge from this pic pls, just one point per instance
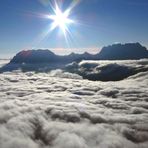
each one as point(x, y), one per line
point(126, 51)
point(123, 52)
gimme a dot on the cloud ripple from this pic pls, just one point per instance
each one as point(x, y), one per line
point(40, 110)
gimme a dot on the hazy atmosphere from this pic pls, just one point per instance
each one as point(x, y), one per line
point(74, 74)
point(96, 23)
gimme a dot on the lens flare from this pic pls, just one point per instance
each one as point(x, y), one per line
point(60, 19)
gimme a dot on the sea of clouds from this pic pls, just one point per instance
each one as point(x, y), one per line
point(59, 109)
point(107, 70)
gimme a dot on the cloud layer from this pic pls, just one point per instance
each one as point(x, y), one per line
point(42, 110)
point(108, 70)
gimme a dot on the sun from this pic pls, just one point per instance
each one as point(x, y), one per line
point(60, 19)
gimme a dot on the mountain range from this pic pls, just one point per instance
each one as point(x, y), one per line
point(128, 51)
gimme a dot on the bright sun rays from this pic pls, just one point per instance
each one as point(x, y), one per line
point(60, 19)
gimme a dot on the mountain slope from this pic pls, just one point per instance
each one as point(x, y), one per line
point(113, 52)
point(123, 52)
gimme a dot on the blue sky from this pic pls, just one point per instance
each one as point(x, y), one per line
point(97, 23)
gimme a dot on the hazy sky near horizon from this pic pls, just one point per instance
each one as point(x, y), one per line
point(97, 23)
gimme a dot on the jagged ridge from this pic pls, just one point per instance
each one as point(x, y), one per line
point(113, 52)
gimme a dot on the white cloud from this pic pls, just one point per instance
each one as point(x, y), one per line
point(3, 62)
point(108, 70)
point(41, 110)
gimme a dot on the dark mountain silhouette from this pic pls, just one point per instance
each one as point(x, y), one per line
point(123, 52)
point(45, 60)
point(34, 56)
point(113, 52)
point(46, 56)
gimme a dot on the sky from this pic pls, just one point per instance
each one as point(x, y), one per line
point(24, 25)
